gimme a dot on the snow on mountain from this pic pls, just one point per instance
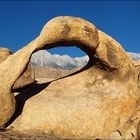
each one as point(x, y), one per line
point(43, 58)
point(134, 56)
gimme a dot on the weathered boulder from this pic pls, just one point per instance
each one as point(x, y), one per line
point(99, 101)
point(137, 65)
point(136, 116)
point(26, 78)
point(10, 70)
point(82, 33)
point(4, 53)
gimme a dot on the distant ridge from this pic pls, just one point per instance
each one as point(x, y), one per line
point(43, 58)
point(134, 56)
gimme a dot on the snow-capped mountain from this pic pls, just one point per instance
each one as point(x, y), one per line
point(134, 56)
point(43, 58)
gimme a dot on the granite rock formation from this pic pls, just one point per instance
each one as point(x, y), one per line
point(26, 78)
point(98, 102)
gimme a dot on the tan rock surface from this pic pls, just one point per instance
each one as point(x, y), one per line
point(10, 70)
point(26, 78)
point(99, 101)
point(4, 53)
point(137, 65)
point(95, 103)
point(78, 32)
point(50, 74)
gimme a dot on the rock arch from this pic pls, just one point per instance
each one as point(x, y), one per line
point(107, 86)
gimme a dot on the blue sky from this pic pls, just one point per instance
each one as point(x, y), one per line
point(22, 21)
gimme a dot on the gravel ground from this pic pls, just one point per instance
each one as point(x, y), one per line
point(9, 135)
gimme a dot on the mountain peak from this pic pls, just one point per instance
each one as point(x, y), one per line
point(44, 58)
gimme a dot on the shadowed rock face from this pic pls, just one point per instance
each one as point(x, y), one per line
point(99, 101)
point(27, 78)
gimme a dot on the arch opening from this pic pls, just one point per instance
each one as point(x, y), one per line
point(57, 62)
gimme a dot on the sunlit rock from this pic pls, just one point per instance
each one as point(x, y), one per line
point(98, 102)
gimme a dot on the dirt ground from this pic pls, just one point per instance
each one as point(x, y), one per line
point(9, 135)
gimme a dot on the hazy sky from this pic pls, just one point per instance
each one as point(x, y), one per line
point(21, 22)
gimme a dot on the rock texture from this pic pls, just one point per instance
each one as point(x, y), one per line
point(11, 68)
point(4, 53)
point(98, 102)
point(137, 65)
point(47, 74)
point(26, 78)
